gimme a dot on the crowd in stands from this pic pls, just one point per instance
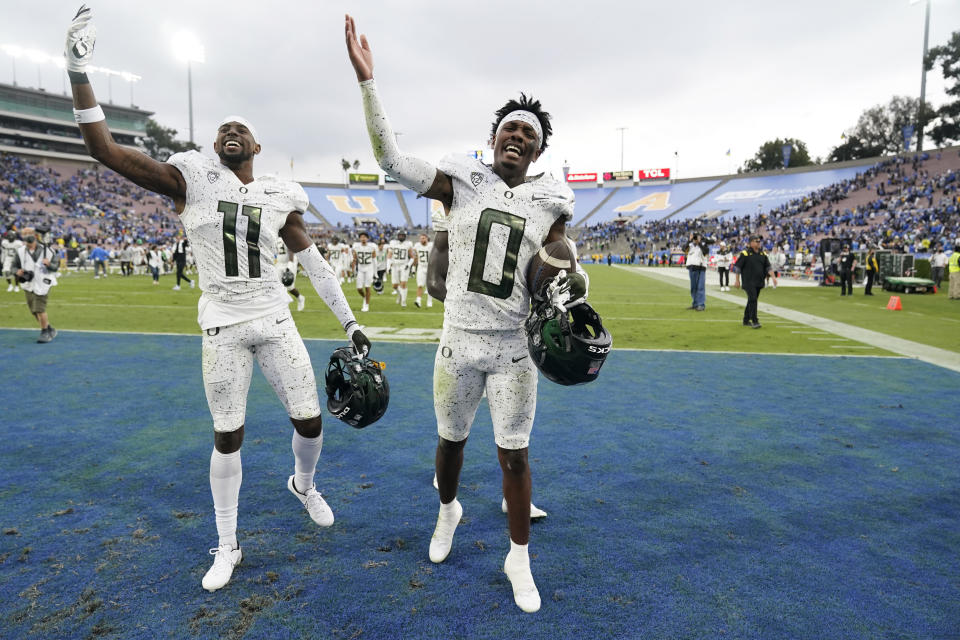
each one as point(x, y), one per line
point(897, 205)
point(901, 204)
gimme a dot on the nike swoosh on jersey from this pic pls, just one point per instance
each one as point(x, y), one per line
point(517, 359)
point(270, 193)
point(282, 320)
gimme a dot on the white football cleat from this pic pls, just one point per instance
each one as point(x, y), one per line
point(16, 289)
point(176, 287)
point(316, 506)
point(417, 303)
point(365, 307)
point(301, 301)
point(225, 559)
point(429, 302)
point(535, 512)
point(442, 540)
point(193, 283)
point(525, 594)
point(9, 288)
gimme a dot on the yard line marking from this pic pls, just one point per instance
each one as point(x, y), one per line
point(850, 346)
point(934, 355)
point(815, 333)
point(830, 339)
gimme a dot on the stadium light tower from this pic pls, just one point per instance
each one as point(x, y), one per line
point(187, 48)
point(923, 74)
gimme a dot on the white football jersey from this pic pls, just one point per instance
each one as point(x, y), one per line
point(423, 254)
point(333, 253)
point(381, 259)
point(10, 249)
point(493, 232)
point(345, 257)
point(399, 252)
point(233, 229)
point(365, 255)
point(284, 257)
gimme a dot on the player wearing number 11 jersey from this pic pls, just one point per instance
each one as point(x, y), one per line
point(496, 219)
point(233, 221)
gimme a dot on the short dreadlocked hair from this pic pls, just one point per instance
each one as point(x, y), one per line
point(524, 104)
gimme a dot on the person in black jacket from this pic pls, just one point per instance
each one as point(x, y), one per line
point(872, 268)
point(847, 263)
point(752, 267)
point(180, 257)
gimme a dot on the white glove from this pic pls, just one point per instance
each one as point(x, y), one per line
point(565, 292)
point(81, 36)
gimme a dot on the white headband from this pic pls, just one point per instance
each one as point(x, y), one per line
point(523, 116)
point(244, 122)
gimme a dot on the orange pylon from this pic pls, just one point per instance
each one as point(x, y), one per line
point(894, 304)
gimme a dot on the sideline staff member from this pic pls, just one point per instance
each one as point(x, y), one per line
point(954, 266)
point(754, 266)
point(35, 266)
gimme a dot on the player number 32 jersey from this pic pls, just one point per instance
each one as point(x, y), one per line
point(493, 232)
point(234, 229)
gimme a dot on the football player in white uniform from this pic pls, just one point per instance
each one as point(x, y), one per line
point(287, 262)
point(401, 255)
point(333, 257)
point(233, 221)
point(382, 264)
point(11, 243)
point(364, 266)
point(497, 219)
point(421, 259)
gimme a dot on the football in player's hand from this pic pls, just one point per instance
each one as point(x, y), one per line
point(552, 258)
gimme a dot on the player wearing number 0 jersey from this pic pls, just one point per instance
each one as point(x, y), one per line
point(233, 221)
point(496, 219)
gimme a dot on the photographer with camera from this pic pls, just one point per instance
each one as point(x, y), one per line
point(35, 266)
point(697, 252)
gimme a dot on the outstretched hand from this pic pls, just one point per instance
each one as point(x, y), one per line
point(359, 51)
point(81, 37)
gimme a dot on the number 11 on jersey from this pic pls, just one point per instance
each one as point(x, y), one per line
point(229, 211)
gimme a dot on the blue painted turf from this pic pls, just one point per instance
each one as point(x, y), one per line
point(690, 496)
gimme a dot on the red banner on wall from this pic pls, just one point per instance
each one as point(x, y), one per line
point(581, 177)
point(653, 174)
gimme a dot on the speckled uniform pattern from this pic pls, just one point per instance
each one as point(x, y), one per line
point(228, 365)
point(467, 362)
point(234, 229)
point(366, 268)
point(399, 253)
point(423, 262)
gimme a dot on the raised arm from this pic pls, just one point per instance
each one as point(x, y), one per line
point(138, 167)
point(413, 173)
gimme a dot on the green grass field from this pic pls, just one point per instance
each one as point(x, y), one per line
point(640, 311)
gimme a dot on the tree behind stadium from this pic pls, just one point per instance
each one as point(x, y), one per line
point(879, 130)
point(947, 127)
point(160, 142)
point(770, 156)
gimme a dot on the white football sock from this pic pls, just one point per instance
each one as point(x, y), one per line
point(306, 453)
point(226, 473)
point(403, 296)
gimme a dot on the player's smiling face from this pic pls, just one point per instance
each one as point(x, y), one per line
point(235, 143)
point(516, 146)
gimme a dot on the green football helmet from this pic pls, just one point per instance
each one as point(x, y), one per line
point(286, 277)
point(568, 346)
point(357, 389)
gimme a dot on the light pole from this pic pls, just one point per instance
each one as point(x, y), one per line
point(621, 130)
point(923, 77)
point(187, 48)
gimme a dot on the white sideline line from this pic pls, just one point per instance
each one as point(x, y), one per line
point(933, 355)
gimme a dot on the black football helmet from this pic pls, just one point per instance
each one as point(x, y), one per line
point(568, 347)
point(286, 277)
point(401, 235)
point(357, 389)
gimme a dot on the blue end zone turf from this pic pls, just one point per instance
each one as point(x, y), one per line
point(690, 495)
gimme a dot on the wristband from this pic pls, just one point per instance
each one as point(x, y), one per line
point(88, 116)
point(78, 77)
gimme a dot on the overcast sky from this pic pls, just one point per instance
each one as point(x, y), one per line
point(694, 77)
